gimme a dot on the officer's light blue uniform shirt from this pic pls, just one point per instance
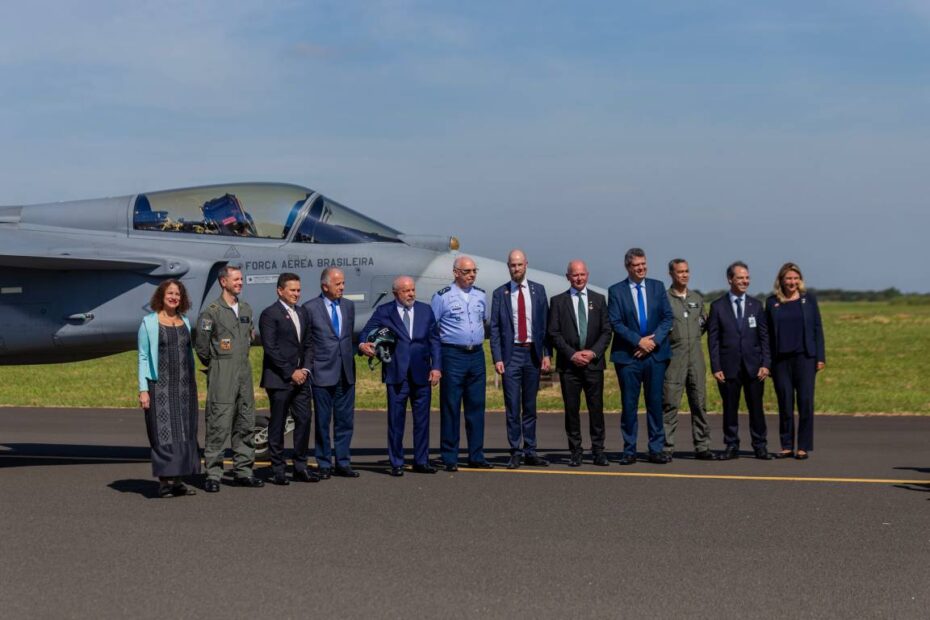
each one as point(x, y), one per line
point(461, 316)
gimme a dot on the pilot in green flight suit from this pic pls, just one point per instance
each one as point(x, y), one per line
point(686, 370)
point(222, 341)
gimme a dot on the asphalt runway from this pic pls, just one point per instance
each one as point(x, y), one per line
point(843, 534)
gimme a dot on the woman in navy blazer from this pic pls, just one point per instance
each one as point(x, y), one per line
point(797, 345)
point(168, 389)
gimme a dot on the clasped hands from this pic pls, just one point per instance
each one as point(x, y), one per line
point(647, 345)
point(300, 376)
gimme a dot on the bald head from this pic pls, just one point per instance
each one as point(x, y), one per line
point(516, 263)
point(465, 272)
point(577, 274)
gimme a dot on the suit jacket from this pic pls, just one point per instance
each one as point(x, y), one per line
point(284, 352)
point(413, 359)
point(813, 327)
point(730, 346)
point(503, 333)
point(623, 310)
point(563, 330)
point(330, 354)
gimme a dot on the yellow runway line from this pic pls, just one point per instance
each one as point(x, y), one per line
point(559, 472)
point(630, 474)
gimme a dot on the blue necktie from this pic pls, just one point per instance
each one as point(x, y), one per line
point(335, 318)
point(642, 310)
point(739, 313)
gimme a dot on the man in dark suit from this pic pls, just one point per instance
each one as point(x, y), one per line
point(738, 342)
point(413, 370)
point(519, 312)
point(283, 328)
point(332, 373)
point(641, 318)
point(579, 332)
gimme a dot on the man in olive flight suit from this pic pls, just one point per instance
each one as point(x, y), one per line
point(222, 341)
point(686, 371)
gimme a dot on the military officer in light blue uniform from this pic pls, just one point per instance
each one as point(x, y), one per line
point(461, 312)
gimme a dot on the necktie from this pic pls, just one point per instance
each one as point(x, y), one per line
point(335, 318)
point(739, 313)
point(582, 321)
point(407, 322)
point(294, 320)
point(521, 316)
point(641, 302)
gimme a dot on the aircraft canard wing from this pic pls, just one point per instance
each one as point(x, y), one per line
point(63, 261)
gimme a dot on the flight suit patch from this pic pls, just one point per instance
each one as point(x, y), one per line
point(226, 344)
point(206, 325)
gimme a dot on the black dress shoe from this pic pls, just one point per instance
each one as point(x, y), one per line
point(425, 469)
point(451, 467)
point(397, 472)
point(802, 456)
point(575, 459)
point(729, 454)
point(535, 460)
point(627, 459)
point(705, 455)
point(600, 459)
point(305, 475)
point(325, 473)
point(345, 472)
point(669, 455)
point(763, 455)
point(250, 481)
point(211, 486)
point(784, 454)
point(180, 489)
point(164, 490)
point(515, 461)
point(659, 458)
point(480, 465)
point(280, 480)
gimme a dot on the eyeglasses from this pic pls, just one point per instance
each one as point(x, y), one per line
point(467, 271)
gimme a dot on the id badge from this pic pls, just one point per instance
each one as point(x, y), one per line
point(752, 322)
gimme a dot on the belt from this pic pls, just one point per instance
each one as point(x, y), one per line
point(523, 345)
point(468, 348)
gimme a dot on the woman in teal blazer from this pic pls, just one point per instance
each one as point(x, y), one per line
point(168, 389)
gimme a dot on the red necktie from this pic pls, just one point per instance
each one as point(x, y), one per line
point(521, 316)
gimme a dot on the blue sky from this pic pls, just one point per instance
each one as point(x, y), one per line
point(711, 130)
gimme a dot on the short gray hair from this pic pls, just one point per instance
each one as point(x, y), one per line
point(674, 263)
point(225, 269)
point(327, 272)
point(631, 254)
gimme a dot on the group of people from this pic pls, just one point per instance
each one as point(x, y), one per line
point(654, 335)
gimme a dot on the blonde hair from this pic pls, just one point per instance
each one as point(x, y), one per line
point(779, 292)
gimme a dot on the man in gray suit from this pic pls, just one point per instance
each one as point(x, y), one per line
point(332, 373)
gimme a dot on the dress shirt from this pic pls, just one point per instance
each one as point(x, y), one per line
point(514, 306)
point(400, 313)
point(291, 312)
point(633, 292)
point(329, 311)
point(742, 299)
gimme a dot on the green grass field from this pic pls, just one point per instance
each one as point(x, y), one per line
point(876, 363)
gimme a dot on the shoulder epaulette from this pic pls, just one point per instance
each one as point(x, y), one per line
point(480, 289)
point(443, 291)
point(214, 307)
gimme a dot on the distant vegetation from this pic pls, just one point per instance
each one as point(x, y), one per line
point(876, 362)
point(891, 295)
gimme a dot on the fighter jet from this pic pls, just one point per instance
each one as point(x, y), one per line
point(76, 277)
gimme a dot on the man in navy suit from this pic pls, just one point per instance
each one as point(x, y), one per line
point(738, 342)
point(332, 373)
point(411, 373)
point(641, 318)
point(519, 314)
point(283, 328)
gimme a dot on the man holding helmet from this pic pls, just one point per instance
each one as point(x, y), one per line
point(411, 372)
